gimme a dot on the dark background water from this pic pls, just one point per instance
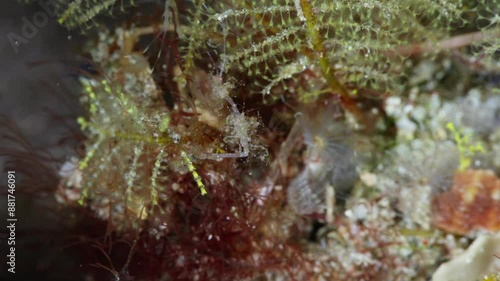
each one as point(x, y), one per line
point(38, 96)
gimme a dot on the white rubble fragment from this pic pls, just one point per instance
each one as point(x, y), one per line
point(477, 261)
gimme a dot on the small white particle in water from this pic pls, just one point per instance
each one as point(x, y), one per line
point(180, 261)
point(496, 195)
point(369, 179)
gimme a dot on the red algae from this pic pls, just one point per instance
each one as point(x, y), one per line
point(473, 203)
